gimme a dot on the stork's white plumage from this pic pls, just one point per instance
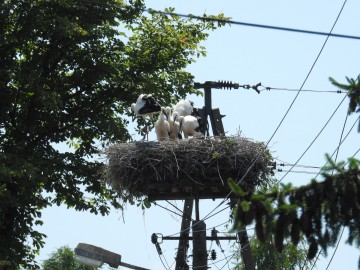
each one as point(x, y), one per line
point(188, 125)
point(145, 105)
point(184, 107)
point(174, 125)
point(162, 126)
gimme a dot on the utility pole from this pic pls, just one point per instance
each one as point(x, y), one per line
point(218, 129)
point(184, 242)
point(199, 241)
point(198, 226)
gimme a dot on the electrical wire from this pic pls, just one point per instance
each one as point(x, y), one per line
point(286, 164)
point(327, 122)
point(167, 267)
point(305, 90)
point(167, 209)
point(292, 171)
point(209, 216)
point(189, 228)
point(205, 18)
point(347, 134)
point(336, 156)
point(337, 245)
point(291, 105)
point(177, 208)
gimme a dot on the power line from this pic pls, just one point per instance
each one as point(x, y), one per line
point(347, 134)
point(302, 31)
point(167, 209)
point(322, 129)
point(177, 208)
point(292, 171)
point(305, 90)
point(337, 245)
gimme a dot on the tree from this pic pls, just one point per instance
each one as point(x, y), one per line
point(316, 211)
point(64, 259)
point(266, 256)
point(69, 74)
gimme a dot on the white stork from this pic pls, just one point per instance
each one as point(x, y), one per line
point(162, 126)
point(189, 125)
point(184, 107)
point(145, 105)
point(174, 125)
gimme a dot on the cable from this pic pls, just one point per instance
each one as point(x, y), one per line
point(179, 210)
point(291, 171)
point(253, 24)
point(354, 155)
point(347, 134)
point(285, 164)
point(337, 245)
point(167, 267)
point(216, 213)
point(327, 122)
point(305, 90)
point(189, 228)
point(157, 204)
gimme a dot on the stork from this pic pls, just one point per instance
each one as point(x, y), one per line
point(145, 105)
point(189, 125)
point(174, 125)
point(162, 126)
point(184, 107)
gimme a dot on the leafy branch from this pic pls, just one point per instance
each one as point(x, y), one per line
point(318, 210)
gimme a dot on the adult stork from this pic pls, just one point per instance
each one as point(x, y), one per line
point(146, 105)
point(189, 125)
point(162, 126)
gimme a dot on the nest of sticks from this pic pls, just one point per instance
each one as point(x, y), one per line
point(198, 162)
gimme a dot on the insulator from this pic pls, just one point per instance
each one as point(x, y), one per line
point(227, 85)
point(154, 238)
point(214, 233)
point(158, 248)
point(213, 255)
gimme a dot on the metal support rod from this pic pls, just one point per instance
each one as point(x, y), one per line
point(209, 238)
point(208, 108)
point(184, 235)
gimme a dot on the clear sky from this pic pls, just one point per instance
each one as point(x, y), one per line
point(247, 55)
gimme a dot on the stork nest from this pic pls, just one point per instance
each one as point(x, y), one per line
point(135, 167)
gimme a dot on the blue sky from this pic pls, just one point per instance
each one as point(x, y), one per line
point(247, 55)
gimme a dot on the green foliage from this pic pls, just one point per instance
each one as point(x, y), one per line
point(353, 89)
point(316, 211)
point(267, 257)
point(68, 75)
point(64, 258)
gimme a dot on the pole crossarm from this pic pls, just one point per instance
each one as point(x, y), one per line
point(208, 238)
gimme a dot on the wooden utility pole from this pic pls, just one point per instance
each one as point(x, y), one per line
point(184, 235)
point(199, 241)
point(218, 129)
point(246, 250)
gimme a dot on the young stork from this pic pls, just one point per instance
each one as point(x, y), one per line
point(189, 125)
point(174, 124)
point(162, 126)
point(184, 107)
point(145, 105)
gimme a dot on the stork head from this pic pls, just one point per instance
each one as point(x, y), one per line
point(175, 116)
point(181, 120)
point(167, 111)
